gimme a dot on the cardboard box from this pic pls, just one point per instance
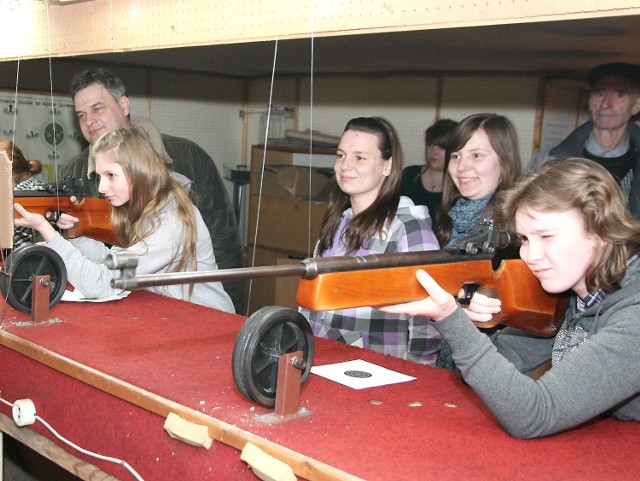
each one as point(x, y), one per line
point(320, 157)
point(276, 291)
point(287, 287)
point(290, 225)
point(294, 182)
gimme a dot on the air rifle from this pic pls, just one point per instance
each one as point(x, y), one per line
point(94, 213)
point(331, 283)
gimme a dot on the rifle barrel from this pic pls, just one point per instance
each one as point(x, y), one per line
point(169, 278)
point(308, 268)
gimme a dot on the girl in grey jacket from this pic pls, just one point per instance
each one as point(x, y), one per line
point(576, 235)
point(152, 217)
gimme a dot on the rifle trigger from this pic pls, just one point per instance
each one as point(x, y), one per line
point(53, 216)
point(468, 291)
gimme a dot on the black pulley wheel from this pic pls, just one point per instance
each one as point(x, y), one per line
point(22, 265)
point(268, 334)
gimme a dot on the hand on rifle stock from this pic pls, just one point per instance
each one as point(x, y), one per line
point(66, 221)
point(89, 217)
point(34, 221)
point(440, 304)
point(437, 305)
point(42, 223)
point(482, 308)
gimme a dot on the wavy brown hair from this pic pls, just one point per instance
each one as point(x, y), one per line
point(584, 186)
point(21, 168)
point(372, 220)
point(151, 189)
point(504, 140)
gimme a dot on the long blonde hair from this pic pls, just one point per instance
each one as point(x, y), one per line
point(583, 185)
point(151, 188)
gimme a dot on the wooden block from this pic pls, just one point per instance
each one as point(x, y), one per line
point(284, 156)
point(187, 432)
point(265, 466)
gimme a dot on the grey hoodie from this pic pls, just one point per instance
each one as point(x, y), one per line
point(601, 376)
point(84, 259)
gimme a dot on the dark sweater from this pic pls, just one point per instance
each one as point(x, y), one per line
point(574, 146)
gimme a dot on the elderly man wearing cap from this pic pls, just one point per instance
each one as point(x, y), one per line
point(610, 137)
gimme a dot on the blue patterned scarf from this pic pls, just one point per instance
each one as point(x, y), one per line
point(465, 215)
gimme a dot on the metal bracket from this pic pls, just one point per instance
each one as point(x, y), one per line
point(126, 263)
point(40, 298)
point(290, 367)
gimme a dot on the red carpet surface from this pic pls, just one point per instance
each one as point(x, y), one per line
point(432, 428)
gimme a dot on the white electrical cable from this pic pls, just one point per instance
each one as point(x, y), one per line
point(26, 404)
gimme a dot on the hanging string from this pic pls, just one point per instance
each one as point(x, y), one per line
point(265, 148)
point(15, 111)
point(310, 132)
point(53, 109)
point(264, 161)
point(13, 138)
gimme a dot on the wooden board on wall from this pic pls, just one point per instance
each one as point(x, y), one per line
point(99, 26)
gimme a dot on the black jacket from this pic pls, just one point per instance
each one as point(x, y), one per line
point(573, 146)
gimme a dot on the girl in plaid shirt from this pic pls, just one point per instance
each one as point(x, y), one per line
point(367, 215)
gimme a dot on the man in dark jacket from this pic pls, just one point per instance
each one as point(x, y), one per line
point(101, 105)
point(610, 138)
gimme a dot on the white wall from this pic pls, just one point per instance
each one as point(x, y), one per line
point(512, 97)
point(407, 102)
point(207, 108)
point(413, 102)
point(203, 109)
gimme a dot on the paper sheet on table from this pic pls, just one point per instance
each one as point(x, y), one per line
point(77, 296)
point(359, 374)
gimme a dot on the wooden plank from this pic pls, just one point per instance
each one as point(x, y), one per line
point(231, 435)
point(6, 202)
point(39, 29)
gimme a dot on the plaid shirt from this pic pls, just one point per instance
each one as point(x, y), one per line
point(408, 337)
point(572, 334)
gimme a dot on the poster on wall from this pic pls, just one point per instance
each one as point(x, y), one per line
point(43, 127)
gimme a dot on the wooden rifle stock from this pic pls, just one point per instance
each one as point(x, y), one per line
point(94, 213)
point(330, 283)
point(525, 305)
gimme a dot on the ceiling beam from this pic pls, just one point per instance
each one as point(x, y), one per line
point(38, 29)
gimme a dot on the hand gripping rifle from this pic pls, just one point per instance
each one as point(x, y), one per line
point(55, 199)
point(331, 283)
